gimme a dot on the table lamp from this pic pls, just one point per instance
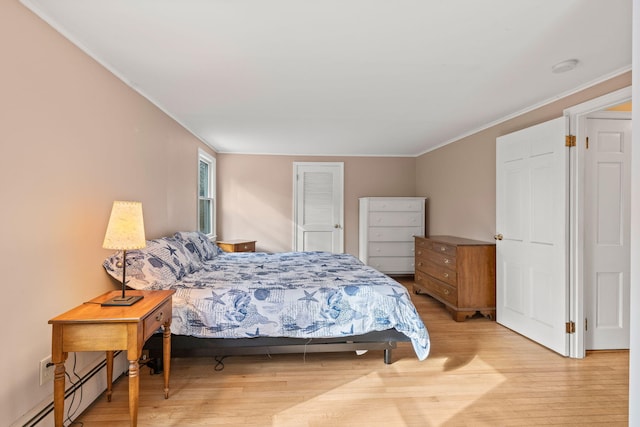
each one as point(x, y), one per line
point(125, 231)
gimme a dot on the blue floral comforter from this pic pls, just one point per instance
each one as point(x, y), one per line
point(293, 294)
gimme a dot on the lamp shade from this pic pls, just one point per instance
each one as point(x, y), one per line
point(126, 227)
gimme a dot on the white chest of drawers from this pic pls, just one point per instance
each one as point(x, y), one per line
point(387, 227)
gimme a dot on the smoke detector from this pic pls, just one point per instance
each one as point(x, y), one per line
point(564, 66)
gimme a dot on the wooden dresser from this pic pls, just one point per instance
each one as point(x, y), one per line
point(386, 230)
point(460, 273)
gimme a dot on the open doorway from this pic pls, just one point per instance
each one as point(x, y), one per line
point(607, 230)
point(599, 222)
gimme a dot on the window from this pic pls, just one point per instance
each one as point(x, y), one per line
point(206, 194)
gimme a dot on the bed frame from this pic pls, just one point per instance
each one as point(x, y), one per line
point(186, 346)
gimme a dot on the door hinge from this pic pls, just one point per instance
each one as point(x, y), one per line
point(570, 327)
point(570, 141)
point(586, 324)
point(587, 143)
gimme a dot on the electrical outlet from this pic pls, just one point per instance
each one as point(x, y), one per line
point(46, 370)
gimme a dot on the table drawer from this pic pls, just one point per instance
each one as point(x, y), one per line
point(156, 319)
point(244, 247)
point(240, 246)
point(436, 288)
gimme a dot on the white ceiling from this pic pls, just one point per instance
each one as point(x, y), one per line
point(346, 77)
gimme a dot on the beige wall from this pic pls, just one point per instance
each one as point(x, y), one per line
point(255, 194)
point(73, 138)
point(460, 181)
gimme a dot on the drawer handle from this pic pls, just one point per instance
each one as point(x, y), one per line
point(446, 275)
point(419, 252)
point(442, 248)
point(446, 261)
point(445, 291)
point(420, 264)
point(160, 317)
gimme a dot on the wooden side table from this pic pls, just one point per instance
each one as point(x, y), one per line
point(91, 327)
point(237, 245)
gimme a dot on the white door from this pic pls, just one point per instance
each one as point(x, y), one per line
point(531, 222)
point(318, 207)
point(607, 231)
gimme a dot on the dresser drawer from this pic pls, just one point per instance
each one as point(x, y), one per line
point(441, 273)
point(393, 234)
point(438, 247)
point(396, 205)
point(393, 265)
point(443, 248)
point(443, 260)
point(436, 288)
point(155, 320)
point(395, 219)
point(403, 249)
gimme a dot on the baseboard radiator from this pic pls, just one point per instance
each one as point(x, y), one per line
point(93, 383)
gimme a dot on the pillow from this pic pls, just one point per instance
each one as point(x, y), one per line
point(198, 243)
point(174, 253)
point(144, 270)
point(157, 266)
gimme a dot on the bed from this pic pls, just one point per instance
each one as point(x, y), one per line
point(248, 303)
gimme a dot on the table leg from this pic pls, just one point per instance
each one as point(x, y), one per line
point(109, 374)
point(134, 387)
point(166, 356)
point(58, 391)
point(58, 358)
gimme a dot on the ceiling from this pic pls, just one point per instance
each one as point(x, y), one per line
point(346, 77)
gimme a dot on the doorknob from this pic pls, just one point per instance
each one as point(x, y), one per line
point(337, 226)
point(498, 236)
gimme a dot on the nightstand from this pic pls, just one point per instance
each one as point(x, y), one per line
point(237, 245)
point(92, 327)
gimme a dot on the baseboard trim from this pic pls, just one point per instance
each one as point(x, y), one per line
point(94, 385)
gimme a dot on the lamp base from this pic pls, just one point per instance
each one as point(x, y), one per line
point(122, 301)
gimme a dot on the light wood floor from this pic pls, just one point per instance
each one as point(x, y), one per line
point(478, 374)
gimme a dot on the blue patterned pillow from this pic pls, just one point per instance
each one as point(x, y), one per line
point(198, 243)
point(144, 270)
point(157, 266)
point(173, 251)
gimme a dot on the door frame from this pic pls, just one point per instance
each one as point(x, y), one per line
point(577, 116)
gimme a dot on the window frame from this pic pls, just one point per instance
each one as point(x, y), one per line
point(204, 157)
